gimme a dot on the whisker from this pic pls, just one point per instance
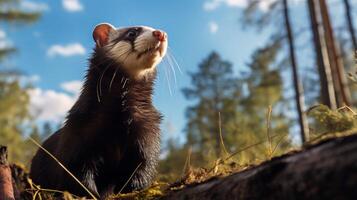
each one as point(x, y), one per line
point(99, 82)
point(116, 70)
point(168, 73)
point(172, 58)
point(125, 78)
point(168, 82)
point(172, 69)
point(124, 83)
point(97, 86)
point(111, 81)
point(101, 78)
point(98, 97)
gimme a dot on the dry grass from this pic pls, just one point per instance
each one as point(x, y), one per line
point(131, 176)
point(270, 150)
point(220, 134)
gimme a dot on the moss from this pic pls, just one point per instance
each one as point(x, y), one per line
point(156, 190)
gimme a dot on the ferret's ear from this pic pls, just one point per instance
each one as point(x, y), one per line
point(101, 34)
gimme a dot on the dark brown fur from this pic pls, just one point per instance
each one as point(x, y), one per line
point(102, 143)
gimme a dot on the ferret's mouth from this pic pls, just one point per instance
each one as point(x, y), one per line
point(151, 50)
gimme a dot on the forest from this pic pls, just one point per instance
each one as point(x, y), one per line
point(297, 90)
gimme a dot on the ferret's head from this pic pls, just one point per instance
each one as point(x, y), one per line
point(136, 49)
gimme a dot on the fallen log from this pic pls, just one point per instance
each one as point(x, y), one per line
point(327, 170)
point(6, 189)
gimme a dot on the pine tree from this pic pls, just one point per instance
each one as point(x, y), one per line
point(14, 114)
point(214, 89)
point(278, 15)
point(350, 24)
point(264, 89)
point(14, 100)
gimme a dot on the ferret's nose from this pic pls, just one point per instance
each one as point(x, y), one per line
point(159, 35)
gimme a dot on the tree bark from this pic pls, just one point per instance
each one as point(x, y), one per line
point(342, 91)
point(326, 170)
point(299, 94)
point(327, 91)
point(351, 29)
point(6, 189)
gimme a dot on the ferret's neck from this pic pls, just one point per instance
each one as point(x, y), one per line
point(108, 88)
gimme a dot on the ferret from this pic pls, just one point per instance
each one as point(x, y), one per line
point(110, 140)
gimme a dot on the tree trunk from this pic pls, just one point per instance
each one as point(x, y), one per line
point(342, 91)
point(6, 189)
point(348, 11)
point(327, 91)
point(326, 170)
point(299, 94)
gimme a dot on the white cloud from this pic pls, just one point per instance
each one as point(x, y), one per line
point(213, 27)
point(4, 41)
point(73, 87)
point(66, 50)
point(2, 34)
point(33, 6)
point(210, 5)
point(72, 5)
point(4, 44)
point(49, 105)
point(214, 4)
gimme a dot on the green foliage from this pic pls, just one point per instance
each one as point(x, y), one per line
point(173, 165)
point(14, 115)
point(6, 51)
point(332, 121)
point(253, 15)
point(11, 12)
point(18, 16)
point(215, 89)
point(264, 89)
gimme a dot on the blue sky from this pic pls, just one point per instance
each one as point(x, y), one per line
point(54, 51)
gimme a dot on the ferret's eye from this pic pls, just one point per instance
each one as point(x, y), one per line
point(132, 34)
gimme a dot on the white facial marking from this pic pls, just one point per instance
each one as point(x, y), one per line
point(140, 55)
